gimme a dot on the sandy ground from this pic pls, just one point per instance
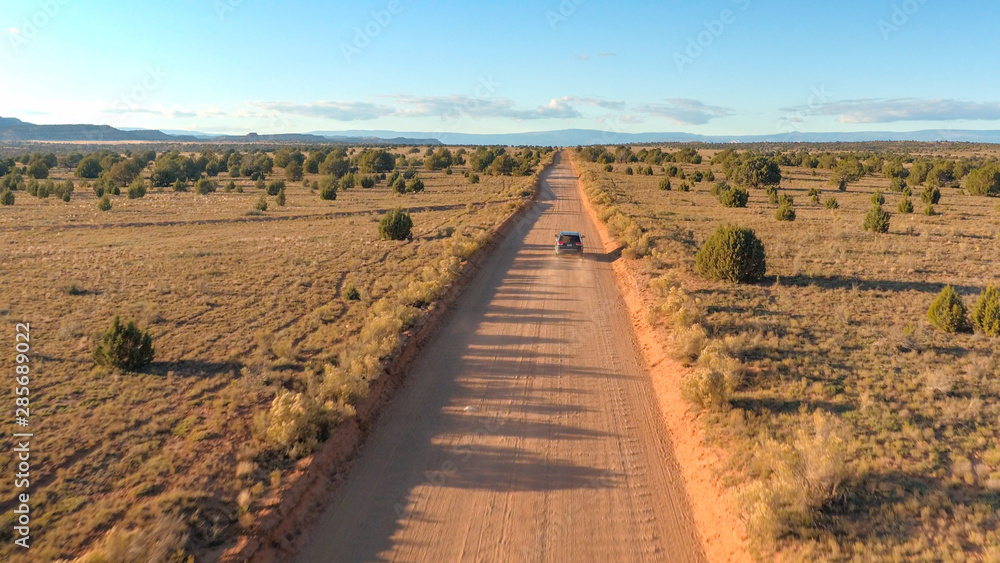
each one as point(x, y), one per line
point(529, 430)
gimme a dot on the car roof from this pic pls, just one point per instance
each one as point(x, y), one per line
point(569, 233)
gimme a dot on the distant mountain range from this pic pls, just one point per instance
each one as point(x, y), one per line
point(12, 129)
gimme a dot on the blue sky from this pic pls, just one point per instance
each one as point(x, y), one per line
point(715, 67)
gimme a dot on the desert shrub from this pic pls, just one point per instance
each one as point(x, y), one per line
point(986, 315)
point(180, 186)
point(137, 189)
point(831, 203)
point(705, 388)
point(842, 185)
point(929, 210)
point(344, 387)
point(7, 197)
point(878, 198)
point(786, 209)
point(328, 188)
point(795, 480)
point(204, 186)
point(350, 293)
point(124, 347)
point(395, 225)
point(296, 424)
point(629, 171)
point(685, 187)
point(877, 219)
point(772, 195)
point(984, 181)
point(162, 541)
point(664, 184)
point(814, 194)
point(473, 178)
point(897, 184)
point(609, 168)
point(688, 343)
point(716, 357)
point(104, 204)
point(905, 205)
point(280, 198)
point(231, 186)
point(734, 197)
point(931, 195)
point(416, 185)
point(368, 182)
point(947, 312)
point(733, 254)
point(275, 186)
point(261, 204)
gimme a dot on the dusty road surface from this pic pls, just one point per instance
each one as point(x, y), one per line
point(528, 430)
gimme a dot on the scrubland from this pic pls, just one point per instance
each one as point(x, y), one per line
point(267, 327)
point(852, 428)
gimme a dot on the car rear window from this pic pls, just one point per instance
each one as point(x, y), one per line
point(569, 239)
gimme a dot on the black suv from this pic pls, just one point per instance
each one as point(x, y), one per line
point(569, 242)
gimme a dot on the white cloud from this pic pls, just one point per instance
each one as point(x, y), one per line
point(887, 110)
point(453, 107)
point(684, 111)
point(13, 30)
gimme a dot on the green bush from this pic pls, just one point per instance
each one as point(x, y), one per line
point(415, 186)
point(772, 195)
point(734, 197)
point(204, 186)
point(629, 171)
point(180, 186)
point(7, 197)
point(905, 205)
point(609, 168)
point(878, 198)
point(664, 184)
point(814, 194)
point(897, 184)
point(733, 254)
point(786, 209)
point(124, 347)
point(395, 225)
point(986, 315)
point(473, 178)
point(137, 189)
point(368, 182)
point(351, 293)
point(261, 204)
point(929, 210)
point(931, 195)
point(280, 199)
point(275, 186)
point(104, 204)
point(831, 203)
point(947, 312)
point(877, 219)
point(328, 188)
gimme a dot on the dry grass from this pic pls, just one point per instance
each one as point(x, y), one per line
point(856, 431)
point(250, 333)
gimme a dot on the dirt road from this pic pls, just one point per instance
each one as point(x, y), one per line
point(528, 431)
